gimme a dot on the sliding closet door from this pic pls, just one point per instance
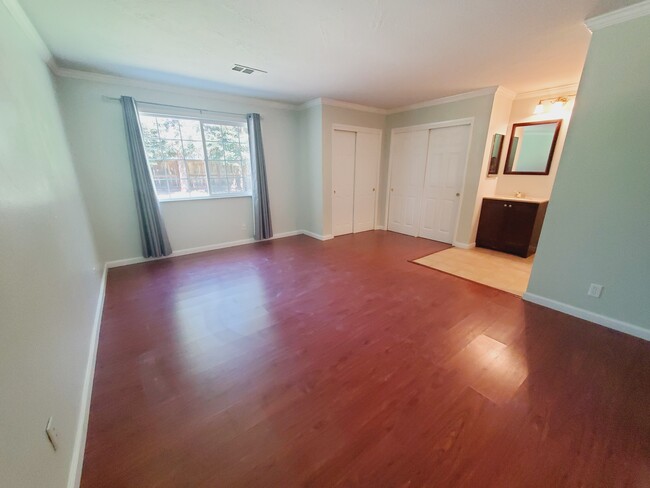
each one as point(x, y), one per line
point(368, 149)
point(408, 158)
point(443, 182)
point(343, 155)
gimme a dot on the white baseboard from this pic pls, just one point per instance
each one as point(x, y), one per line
point(379, 227)
point(318, 236)
point(74, 476)
point(581, 313)
point(194, 250)
point(463, 245)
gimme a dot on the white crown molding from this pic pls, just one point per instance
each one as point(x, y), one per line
point(548, 92)
point(316, 102)
point(441, 101)
point(30, 31)
point(618, 16)
point(503, 91)
point(152, 85)
point(353, 106)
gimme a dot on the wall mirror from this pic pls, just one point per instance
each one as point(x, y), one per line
point(495, 154)
point(531, 147)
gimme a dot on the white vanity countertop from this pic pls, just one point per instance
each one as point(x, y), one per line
point(516, 199)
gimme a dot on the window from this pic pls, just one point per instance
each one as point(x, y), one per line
point(195, 158)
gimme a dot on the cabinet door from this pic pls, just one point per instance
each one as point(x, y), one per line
point(491, 223)
point(520, 219)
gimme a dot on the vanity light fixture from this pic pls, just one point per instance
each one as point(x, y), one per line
point(557, 103)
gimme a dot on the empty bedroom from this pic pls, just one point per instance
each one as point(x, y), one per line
point(324, 243)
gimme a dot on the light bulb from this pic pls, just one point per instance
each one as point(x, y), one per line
point(558, 105)
point(539, 108)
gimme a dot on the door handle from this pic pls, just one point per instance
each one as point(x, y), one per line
point(391, 189)
point(457, 194)
point(334, 191)
point(373, 189)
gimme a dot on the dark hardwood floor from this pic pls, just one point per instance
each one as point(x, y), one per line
point(304, 363)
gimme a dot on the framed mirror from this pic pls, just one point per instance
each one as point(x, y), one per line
point(531, 147)
point(495, 154)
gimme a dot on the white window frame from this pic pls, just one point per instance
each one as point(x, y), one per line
point(202, 119)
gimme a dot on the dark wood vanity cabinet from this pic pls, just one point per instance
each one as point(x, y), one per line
point(510, 226)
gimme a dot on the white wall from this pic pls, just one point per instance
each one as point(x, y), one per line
point(597, 228)
point(96, 132)
point(499, 117)
point(49, 285)
point(538, 186)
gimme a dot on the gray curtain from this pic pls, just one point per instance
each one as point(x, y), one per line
point(261, 207)
point(153, 235)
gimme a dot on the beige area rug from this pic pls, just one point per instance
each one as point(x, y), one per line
point(496, 269)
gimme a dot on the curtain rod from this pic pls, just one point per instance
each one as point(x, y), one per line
point(200, 110)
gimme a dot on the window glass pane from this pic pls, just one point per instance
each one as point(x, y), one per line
point(169, 128)
point(215, 150)
point(195, 167)
point(217, 168)
point(171, 148)
point(212, 132)
point(177, 158)
point(193, 150)
point(198, 185)
point(157, 169)
point(190, 130)
point(243, 137)
point(149, 128)
point(219, 185)
point(230, 141)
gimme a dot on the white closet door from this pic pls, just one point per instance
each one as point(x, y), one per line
point(343, 155)
point(408, 160)
point(365, 180)
point(443, 182)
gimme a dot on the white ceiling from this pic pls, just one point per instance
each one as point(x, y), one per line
point(382, 53)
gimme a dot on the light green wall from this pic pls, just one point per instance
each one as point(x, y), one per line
point(98, 143)
point(310, 121)
point(50, 279)
point(598, 227)
point(480, 108)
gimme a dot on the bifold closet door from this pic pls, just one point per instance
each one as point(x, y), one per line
point(443, 181)
point(343, 156)
point(368, 149)
point(408, 157)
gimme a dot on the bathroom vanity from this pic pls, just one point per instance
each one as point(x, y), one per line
point(511, 225)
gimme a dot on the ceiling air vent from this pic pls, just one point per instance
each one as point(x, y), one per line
point(246, 69)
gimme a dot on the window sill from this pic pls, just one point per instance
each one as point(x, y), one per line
point(212, 197)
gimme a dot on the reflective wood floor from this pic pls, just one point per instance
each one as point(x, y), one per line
point(304, 363)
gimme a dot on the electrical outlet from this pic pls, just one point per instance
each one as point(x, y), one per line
point(52, 433)
point(595, 290)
